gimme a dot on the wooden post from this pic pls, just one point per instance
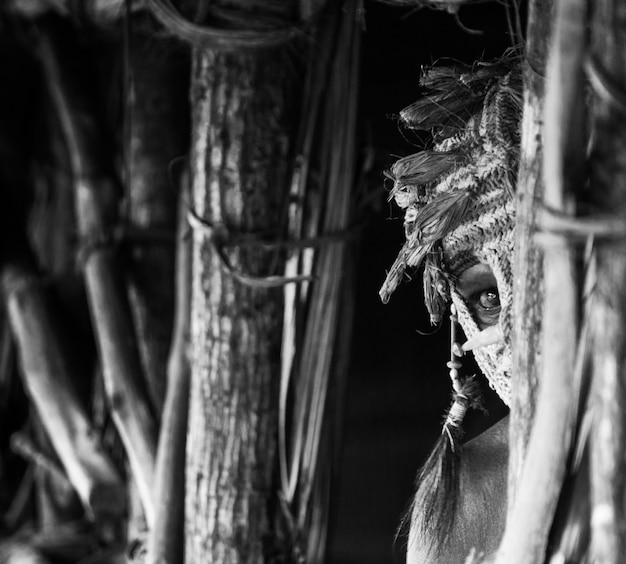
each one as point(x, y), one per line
point(528, 267)
point(239, 160)
point(554, 421)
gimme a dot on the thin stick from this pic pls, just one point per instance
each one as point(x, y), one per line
point(166, 540)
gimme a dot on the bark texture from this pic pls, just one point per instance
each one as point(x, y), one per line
point(528, 273)
point(238, 164)
point(608, 170)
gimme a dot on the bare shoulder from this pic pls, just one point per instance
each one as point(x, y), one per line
point(487, 453)
point(481, 510)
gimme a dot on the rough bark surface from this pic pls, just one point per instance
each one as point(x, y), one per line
point(608, 169)
point(239, 157)
point(528, 266)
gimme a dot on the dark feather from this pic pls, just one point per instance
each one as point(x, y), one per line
point(452, 95)
point(443, 112)
point(442, 215)
point(424, 167)
point(408, 257)
point(433, 222)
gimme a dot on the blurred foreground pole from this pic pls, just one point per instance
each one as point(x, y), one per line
point(552, 420)
point(608, 318)
point(528, 266)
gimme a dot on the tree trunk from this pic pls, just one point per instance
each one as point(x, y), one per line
point(240, 149)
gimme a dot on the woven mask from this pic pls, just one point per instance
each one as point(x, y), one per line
point(459, 197)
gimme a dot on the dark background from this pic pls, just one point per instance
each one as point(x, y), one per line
point(398, 386)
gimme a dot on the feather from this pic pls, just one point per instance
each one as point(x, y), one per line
point(439, 111)
point(442, 215)
point(424, 167)
point(408, 256)
point(423, 229)
point(452, 95)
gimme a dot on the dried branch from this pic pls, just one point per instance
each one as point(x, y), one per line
point(104, 13)
point(211, 37)
point(46, 373)
point(96, 207)
point(166, 540)
point(320, 203)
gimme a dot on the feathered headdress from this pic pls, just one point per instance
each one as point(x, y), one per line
point(473, 116)
point(459, 209)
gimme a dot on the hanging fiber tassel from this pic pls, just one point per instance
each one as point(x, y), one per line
point(431, 515)
point(436, 292)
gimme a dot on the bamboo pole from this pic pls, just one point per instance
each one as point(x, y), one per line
point(46, 374)
point(607, 66)
point(96, 207)
point(166, 540)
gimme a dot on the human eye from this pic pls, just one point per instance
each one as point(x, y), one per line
point(488, 300)
point(478, 287)
point(485, 306)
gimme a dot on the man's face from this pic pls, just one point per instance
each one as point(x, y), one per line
point(482, 294)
